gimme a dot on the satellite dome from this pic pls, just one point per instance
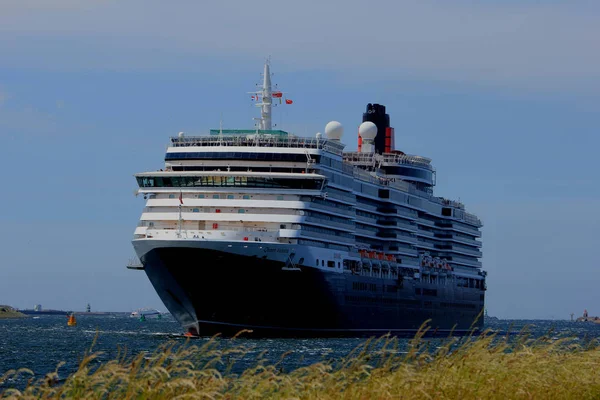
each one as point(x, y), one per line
point(367, 130)
point(334, 130)
point(318, 135)
point(180, 134)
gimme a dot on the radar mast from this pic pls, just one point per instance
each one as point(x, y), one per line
point(264, 98)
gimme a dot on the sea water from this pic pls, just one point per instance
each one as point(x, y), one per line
point(40, 343)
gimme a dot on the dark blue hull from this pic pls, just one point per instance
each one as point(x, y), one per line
point(211, 292)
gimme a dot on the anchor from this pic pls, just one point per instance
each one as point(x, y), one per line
point(289, 264)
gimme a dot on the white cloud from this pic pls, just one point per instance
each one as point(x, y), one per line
point(540, 46)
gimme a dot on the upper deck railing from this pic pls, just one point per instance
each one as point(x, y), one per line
point(360, 158)
point(259, 140)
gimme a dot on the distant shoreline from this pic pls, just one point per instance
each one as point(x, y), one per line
point(10, 312)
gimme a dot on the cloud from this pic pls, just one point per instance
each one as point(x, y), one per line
point(520, 44)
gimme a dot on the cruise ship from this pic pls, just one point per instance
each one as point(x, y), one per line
point(288, 236)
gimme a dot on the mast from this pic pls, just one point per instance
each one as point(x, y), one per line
point(179, 222)
point(267, 101)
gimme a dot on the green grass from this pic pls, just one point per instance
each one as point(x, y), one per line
point(483, 366)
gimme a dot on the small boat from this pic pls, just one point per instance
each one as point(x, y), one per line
point(72, 321)
point(145, 313)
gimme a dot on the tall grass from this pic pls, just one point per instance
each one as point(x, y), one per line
point(486, 366)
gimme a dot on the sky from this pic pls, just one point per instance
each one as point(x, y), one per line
point(504, 96)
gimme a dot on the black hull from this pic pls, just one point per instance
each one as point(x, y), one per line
point(212, 292)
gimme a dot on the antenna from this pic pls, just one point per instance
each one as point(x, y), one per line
point(221, 130)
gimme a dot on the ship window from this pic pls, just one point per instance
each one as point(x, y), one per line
point(281, 226)
point(200, 196)
point(241, 211)
point(446, 212)
point(171, 196)
point(317, 262)
point(246, 197)
point(230, 196)
point(331, 264)
point(215, 196)
point(384, 193)
point(195, 210)
point(279, 197)
point(322, 263)
point(301, 260)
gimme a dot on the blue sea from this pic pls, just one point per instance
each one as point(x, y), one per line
point(40, 343)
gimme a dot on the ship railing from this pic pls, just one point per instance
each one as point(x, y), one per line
point(401, 185)
point(362, 231)
point(325, 222)
point(462, 250)
point(472, 219)
point(406, 234)
point(464, 260)
point(318, 205)
point(326, 236)
point(341, 197)
point(366, 207)
point(258, 140)
point(457, 226)
point(404, 212)
point(373, 158)
point(403, 225)
point(471, 242)
point(218, 229)
point(423, 232)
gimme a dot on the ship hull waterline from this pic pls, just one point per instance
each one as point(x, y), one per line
point(212, 291)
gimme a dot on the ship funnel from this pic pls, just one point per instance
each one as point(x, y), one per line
point(384, 141)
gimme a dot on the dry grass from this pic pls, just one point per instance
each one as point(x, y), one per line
point(475, 367)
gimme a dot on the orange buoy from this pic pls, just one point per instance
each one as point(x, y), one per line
point(72, 321)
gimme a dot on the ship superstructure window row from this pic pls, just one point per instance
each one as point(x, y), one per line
point(227, 196)
point(223, 210)
point(233, 168)
point(229, 181)
point(275, 156)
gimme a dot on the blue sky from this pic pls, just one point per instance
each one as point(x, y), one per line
point(503, 96)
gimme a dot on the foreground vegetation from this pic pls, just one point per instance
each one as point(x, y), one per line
point(475, 367)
